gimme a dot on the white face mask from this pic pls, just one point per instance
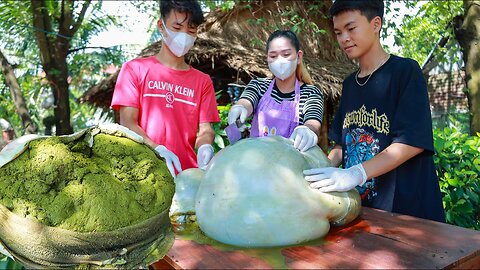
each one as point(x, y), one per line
point(282, 68)
point(178, 42)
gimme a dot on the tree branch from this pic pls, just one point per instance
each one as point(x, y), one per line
point(62, 12)
point(65, 18)
point(83, 48)
point(17, 95)
point(79, 20)
point(41, 21)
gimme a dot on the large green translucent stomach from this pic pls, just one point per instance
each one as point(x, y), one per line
point(254, 194)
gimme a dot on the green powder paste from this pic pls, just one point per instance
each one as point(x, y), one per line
point(115, 183)
point(273, 256)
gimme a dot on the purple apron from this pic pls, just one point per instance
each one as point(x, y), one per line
point(273, 118)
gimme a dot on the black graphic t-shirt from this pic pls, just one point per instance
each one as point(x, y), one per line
point(392, 107)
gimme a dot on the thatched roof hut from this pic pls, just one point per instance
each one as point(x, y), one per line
point(231, 47)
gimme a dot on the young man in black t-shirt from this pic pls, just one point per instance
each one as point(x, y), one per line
point(383, 126)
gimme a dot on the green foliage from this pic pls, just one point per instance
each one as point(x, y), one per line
point(7, 263)
point(33, 85)
point(291, 17)
point(221, 140)
point(300, 24)
point(150, 9)
point(459, 121)
point(94, 23)
point(15, 23)
point(85, 115)
point(457, 161)
point(7, 108)
point(85, 65)
point(419, 33)
point(224, 5)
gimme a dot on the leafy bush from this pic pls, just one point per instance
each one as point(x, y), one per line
point(452, 119)
point(7, 263)
point(457, 161)
point(221, 140)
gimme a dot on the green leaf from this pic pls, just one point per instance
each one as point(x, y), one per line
point(448, 144)
point(449, 217)
point(7, 263)
point(473, 197)
point(219, 141)
point(464, 209)
point(452, 181)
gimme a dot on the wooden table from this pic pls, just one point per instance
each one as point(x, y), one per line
point(376, 239)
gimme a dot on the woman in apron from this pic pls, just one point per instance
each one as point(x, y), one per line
point(288, 104)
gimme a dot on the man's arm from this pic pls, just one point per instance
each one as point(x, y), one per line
point(335, 155)
point(390, 158)
point(129, 119)
point(204, 142)
point(206, 135)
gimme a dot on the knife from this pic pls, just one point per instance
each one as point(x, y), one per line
point(233, 133)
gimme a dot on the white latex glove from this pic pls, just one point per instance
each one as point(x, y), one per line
point(170, 158)
point(204, 155)
point(236, 112)
point(4, 124)
point(5, 252)
point(335, 179)
point(303, 138)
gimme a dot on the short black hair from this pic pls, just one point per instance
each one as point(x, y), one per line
point(368, 8)
point(191, 7)
point(285, 34)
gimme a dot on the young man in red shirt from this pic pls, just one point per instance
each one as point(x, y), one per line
point(165, 100)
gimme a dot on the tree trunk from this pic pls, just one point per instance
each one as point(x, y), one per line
point(57, 75)
point(17, 95)
point(468, 35)
point(54, 51)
